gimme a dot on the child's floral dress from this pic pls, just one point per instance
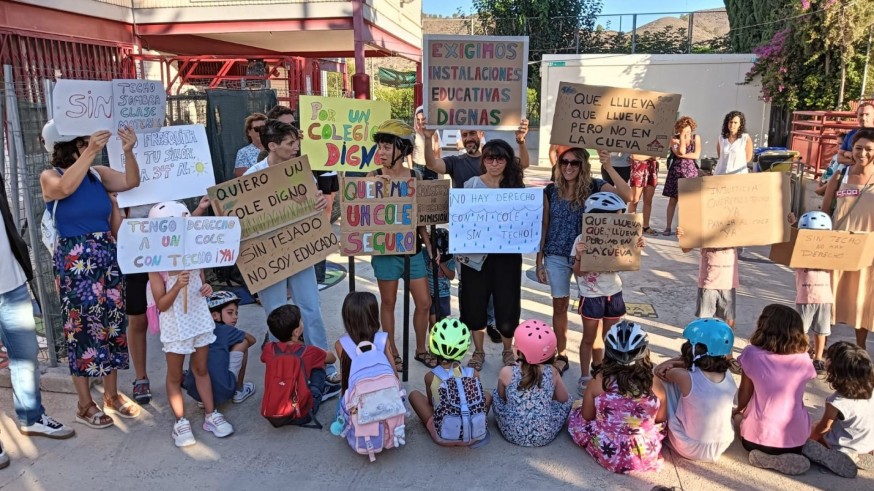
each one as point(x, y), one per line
point(530, 417)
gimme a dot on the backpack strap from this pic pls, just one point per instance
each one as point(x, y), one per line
point(380, 340)
point(465, 409)
point(441, 373)
point(349, 347)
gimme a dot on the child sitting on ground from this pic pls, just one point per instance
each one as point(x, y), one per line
point(846, 431)
point(440, 410)
point(228, 354)
point(776, 369)
point(601, 302)
point(700, 394)
point(445, 274)
point(621, 420)
point(531, 403)
point(286, 326)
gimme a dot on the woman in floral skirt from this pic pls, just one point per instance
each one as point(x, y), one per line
point(86, 268)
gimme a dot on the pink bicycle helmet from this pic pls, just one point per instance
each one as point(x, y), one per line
point(536, 340)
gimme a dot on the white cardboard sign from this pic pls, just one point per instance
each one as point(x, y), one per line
point(495, 220)
point(81, 107)
point(176, 244)
point(175, 163)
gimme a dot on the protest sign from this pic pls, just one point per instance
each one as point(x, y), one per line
point(475, 82)
point(338, 131)
point(81, 107)
point(495, 220)
point(379, 216)
point(610, 242)
point(432, 202)
point(140, 105)
point(268, 199)
point(734, 211)
point(274, 256)
point(825, 249)
point(614, 119)
point(175, 244)
point(175, 163)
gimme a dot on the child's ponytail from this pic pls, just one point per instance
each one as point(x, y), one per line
point(532, 375)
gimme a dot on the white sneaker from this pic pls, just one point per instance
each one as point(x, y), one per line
point(217, 424)
point(4, 459)
point(244, 393)
point(48, 427)
point(182, 434)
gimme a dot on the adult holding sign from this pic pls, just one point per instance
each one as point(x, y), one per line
point(563, 205)
point(685, 149)
point(85, 265)
point(282, 142)
point(493, 275)
point(394, 143)
point(853, 192)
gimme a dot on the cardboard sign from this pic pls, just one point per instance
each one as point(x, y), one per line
point(475, 82)
point(379, 216)
point(176, 244)
point(825, 249)
point(734, 210)
point(81, 107)
point(432, 202)
point(611, 242)
point(274, 256)
point(269, 199)
point(338, 132)
point(140, 105)
point(495, 220)
point(614, 119)
point(175, 163)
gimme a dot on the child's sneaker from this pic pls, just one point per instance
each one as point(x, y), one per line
point(582, 383)
point(788, 463)
point(244, 393)
point(142, 391)
point(331, 390)
point(4, 459)
point(182, 434)
point(47, 426)
point(833, 460)
point(217, 425)
point(334, 378)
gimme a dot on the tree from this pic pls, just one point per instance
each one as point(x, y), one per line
point(553, 26)
point(754, 22)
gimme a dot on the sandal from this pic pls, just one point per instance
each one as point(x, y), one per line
point(97, 420)
point(399, 363)
point(122, 406)
point(508, 357)
point(734, 367)
point(426, 359)
point(667, 233)
point(649, 231)
point(564, 368)
point(477, 360)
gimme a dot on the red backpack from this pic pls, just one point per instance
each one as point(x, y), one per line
point(286, 388)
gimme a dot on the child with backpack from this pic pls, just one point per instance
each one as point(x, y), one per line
point(700, 393)
point(601, 302)
point(621, 420)
point(295, 379)
point(844, 437)
point(371, 412)
point(228, 354)
point(186, 329)
point(456, 407)
point(531, 403)
point(445, 274)
point(776, 368)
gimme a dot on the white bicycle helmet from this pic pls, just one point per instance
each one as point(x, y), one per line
point(626, 342)
point(604, 202)
point(51, 135)
point(219, 299)
point(815, 220)
point(169, 209)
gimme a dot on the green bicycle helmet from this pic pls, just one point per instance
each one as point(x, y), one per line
point(450, 339)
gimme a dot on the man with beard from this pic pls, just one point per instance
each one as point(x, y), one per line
point(463, 167)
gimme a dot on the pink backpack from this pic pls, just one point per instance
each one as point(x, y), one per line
point(153, 315)
point(372, 408)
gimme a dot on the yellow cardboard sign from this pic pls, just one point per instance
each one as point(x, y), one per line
point(338, 132)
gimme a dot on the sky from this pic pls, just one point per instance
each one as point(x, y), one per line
point(449, 7)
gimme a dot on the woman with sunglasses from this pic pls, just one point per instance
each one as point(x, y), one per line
point(562, 223)
point(492, 275)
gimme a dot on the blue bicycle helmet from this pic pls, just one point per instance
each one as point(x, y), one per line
point(715, 334)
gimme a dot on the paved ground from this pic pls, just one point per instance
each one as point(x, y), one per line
point(139, 454)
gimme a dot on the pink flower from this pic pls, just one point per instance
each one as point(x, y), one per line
point(97, 288)
point(89, 354)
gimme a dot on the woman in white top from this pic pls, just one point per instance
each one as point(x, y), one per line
point(734, 148)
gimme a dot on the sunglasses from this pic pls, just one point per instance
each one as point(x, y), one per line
point(495, 160)
point(572, 163)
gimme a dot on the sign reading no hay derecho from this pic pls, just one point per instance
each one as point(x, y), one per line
point(614, 119)
point(475, 82)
